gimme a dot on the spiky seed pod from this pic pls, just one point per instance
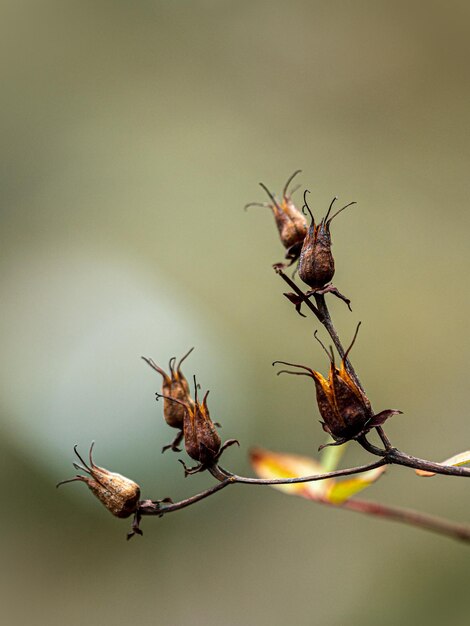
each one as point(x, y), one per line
point(290, 222)
point(201, 439)
point(119, 494)
point(176, 386)
point(345, 409)
point(316, 263)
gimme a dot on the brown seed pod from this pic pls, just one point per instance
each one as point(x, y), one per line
point(290, 222)
point(201, 439)
point(176, 386)
point(344, 407)
point(316, 263)
point(119, 494)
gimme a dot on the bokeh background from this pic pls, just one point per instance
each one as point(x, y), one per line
point(133, 133)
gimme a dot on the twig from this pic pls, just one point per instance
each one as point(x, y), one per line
point(405, 516)
point(304, 479)
point(153, 507)
point(397, 457)
point(412, 518)
point(225, 478)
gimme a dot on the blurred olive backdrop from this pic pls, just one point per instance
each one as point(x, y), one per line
point(133, 133)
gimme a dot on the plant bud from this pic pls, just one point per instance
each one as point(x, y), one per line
point(316, 263)
point(119, 494)
point(344, 407)
point(175, 386)
point(290, 222)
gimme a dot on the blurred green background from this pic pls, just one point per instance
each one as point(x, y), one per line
point(133, 133)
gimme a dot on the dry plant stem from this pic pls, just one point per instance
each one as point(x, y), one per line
point(222, 474)
point(405, 516)
point(322, 313)
point(151, 507)
point(225, 478)
point(397, 457)
point(438, 525)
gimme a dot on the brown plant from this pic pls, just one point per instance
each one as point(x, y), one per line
point(346, 412)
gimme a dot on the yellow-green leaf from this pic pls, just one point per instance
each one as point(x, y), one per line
point(463, 458)
point(269, 464)
point(343, 490)
point(331, 456)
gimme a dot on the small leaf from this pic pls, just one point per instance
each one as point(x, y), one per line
point(343, 490)
point(463, 458)
point(276, 465)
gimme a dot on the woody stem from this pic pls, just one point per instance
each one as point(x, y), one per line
point(222, 474)
point(382, 511)
point(397, 457)
point(225, 478)
point(154, 507)
point(323, 315)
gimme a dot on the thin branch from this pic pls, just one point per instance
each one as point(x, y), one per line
point(438, 525)
point(325, 319)
point(307, 479)
point(155, 507)
point(401, 458)
point(397, 457)
point(225, 478)
point(405, 516)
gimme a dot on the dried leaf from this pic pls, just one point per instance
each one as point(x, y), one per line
point(276, 465)
point(463, 458)
point(343, 490)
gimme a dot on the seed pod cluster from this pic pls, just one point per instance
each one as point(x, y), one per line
point(201, 439)
point(290, 222)
point(119, 494)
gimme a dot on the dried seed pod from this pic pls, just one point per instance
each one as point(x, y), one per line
point(176, 386)
point(344, 407)
point(316, 263)
point(201, 439)
point(290, 222)
point(119, 494)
